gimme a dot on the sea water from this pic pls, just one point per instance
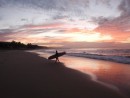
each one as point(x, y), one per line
point(111, 66)
point(109, 54)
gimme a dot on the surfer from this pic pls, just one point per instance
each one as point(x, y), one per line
point(56, 56)
point(57, 59)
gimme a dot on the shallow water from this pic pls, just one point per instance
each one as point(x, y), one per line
point(112, 73)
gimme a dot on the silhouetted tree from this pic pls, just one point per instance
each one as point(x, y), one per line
point(17, 45)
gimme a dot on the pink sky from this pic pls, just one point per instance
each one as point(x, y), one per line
point(98, 22)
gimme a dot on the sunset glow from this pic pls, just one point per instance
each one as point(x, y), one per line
point(48, 23)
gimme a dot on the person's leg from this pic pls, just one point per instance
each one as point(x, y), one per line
point(58, 59)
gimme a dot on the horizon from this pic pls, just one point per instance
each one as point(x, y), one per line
point(66, 23)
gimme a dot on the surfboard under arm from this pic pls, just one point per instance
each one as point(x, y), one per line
point(58, 55)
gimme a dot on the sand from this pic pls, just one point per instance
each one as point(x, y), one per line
point(26, 75)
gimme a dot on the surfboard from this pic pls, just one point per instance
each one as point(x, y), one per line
point(54, 56)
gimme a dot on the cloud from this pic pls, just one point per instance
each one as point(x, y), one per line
point(0, 17)
point(124, 7)
point(45, 26)
point(39, 11)
point(48, 4)
point(33, 33)
point(107, 2)
point(88, 44)
point(118, 27)
point(4, 33)
point(38, 17)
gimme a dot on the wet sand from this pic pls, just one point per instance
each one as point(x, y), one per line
point(27, 75)
point(111, 74)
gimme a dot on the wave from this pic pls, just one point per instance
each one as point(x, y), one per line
point(119, 59)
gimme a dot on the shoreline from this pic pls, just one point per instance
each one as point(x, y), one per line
point(26, 74)
point(85, 57)
point(93, 77)
point(107, 73)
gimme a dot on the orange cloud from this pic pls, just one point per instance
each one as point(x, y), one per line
point(45, 26)
point(118, 30)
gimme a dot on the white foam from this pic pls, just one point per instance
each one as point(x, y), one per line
point(120, 59)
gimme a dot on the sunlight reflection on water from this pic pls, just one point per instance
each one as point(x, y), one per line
point(116, 74)
point(111, 72)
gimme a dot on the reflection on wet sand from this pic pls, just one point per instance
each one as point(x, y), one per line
point(113, 73)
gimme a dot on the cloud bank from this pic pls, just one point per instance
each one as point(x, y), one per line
point(118, 27)
point(65, 21)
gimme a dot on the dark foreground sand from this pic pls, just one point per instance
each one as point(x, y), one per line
point(26, 75)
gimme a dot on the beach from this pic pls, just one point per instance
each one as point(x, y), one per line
point(27, 75)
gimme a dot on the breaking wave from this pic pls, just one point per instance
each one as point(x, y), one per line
point(119, 59)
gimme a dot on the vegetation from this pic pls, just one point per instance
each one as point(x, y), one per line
point(18, 45)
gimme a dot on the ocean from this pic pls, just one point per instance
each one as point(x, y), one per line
point(109, 66)
point(108, 54)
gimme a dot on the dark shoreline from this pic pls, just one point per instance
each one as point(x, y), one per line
point(27, 75)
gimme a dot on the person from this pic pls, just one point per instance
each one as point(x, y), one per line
point(57, 59)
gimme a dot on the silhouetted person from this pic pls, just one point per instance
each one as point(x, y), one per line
point(57, 59)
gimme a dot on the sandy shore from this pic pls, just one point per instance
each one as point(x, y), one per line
point(26, 75)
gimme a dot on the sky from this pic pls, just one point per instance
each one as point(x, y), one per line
point(66, 23)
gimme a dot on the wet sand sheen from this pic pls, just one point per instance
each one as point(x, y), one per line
point(112, 73)
point(28, 75)
point(115, 74)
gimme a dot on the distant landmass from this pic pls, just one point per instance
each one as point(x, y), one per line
point(19, 46)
